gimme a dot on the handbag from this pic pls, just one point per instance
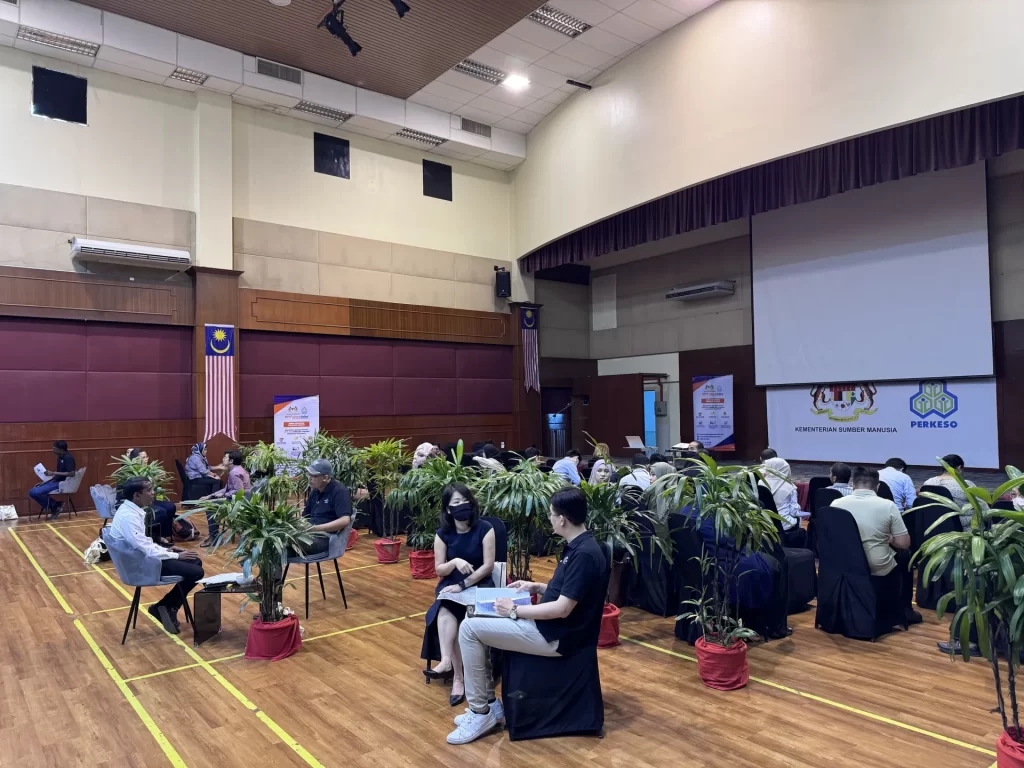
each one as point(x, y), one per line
point(8, 512)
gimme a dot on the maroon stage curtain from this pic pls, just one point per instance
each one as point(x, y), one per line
point(952, 140)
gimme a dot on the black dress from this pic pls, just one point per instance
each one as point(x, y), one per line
point(470, 547)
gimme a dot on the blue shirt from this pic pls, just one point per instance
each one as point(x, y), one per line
point(902, 487)
point(567, 468)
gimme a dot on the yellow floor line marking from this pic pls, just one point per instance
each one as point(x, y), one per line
point(829, 702)
point(168, 749)
point(77, 573)
point(119, 608)
point(304, 640)
point(200, 661)
point(23, 527)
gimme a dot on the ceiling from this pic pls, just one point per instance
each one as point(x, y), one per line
point(548, 58)
point(399, 56)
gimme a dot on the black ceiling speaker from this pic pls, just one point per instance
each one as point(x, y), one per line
point(502, 283)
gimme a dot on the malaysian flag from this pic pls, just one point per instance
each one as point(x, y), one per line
point(220, 381)
point(531, 370)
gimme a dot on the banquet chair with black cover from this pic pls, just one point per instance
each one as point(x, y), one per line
point(819, 499)
point(797, 562)
point(851, 601)
point(922, 516)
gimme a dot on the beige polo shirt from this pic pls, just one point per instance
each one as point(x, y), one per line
point(877, 519)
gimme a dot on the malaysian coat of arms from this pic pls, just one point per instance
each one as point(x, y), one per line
point(844, 402)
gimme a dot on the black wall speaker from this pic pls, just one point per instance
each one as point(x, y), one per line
point(502, 284)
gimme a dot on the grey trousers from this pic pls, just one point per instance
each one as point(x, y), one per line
point(478, 635)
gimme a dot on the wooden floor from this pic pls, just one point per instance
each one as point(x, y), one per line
point(71, 694)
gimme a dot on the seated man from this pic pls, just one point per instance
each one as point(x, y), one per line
point(129, 526)
point(881, 530)
point(568, 614)
point(632, 486)
point(329, 506)
point(894, 474)
point(768, 453)
point(65, 468)
point(839, 474)
point(568, 467)
point(697, 446)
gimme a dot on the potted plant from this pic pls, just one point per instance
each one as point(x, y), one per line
point(384, 461)
point(988, 590)
point(263, 528)
point(127, 467)
point(519, 497)
point(618, 531)
point(420, 491)
point(726, 496)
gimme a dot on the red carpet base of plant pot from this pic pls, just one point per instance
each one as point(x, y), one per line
point(275, 641)
point(724, 669)
point(1009, 753)
point(609, 636)
point(352, 539)
point(387, 550)
point(421, 564)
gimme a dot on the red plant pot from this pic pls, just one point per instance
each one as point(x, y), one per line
point(387, 550)
point(274, 641)
point(1009, 754)
point(352, 539)
point(724, 669)
point(609, 636)
point(421, 564)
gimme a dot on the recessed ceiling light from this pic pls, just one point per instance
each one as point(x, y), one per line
point(481, 71)
point(189, 76)
point(281, 3)
point(516, 82)
point(321, 111)
point(63, 42)
point(560, 21)
point(421, 137)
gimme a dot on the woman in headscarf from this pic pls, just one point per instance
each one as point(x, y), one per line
point(779, 478)
point(601, 472)
point(423, 452)
point(201, 477)
point(660, 469)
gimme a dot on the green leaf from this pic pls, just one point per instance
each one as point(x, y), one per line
point(978, 550)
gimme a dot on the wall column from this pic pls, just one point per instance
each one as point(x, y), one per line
point(213, 181)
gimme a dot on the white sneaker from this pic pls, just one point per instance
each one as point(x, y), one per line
point(472, 727)
point(496, 709)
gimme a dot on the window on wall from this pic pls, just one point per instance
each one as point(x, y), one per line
point(650, 419)
point(59, 96)
point(331, 155)
point(437, 180)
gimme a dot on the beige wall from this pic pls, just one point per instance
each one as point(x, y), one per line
point(564, 319)
point(36, 225)
point(648, 323)
point(384, 200)
point(281, 258)
point(138, 145)
point(747, 81)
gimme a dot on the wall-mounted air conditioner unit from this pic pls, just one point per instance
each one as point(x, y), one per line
point(713, 290)
point(99, 251)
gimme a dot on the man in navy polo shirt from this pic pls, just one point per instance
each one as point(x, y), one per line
point(65, 469)
point(567, 617)
point(329, 506)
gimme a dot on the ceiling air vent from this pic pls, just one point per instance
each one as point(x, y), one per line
point(560, 21)
point(279, 71)
point(480, 71)
point(472, 126)
point(713, 290)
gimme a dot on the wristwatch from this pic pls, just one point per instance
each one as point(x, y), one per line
point(462, 585)
point(514, 612)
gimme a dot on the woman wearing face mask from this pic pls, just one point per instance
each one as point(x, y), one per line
point(463, 558)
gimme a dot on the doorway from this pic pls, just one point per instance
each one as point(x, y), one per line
point(556, 403)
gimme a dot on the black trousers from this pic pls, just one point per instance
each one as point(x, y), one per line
point(795, 538)
point(163, 518)
point(190, 571)
point(906, 579)
point(320, 545)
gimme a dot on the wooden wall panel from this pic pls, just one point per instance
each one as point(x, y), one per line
point(92, 443)
point(1008, 338)
point(616, 410)
point(74, 296)
point(496, 427)
point(298, 313)
point(751, 408)
point(573, 373)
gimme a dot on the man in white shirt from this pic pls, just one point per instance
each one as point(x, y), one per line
point(894, 474)
point(129, 526)
point(632, 486)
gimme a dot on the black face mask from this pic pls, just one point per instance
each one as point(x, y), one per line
point(461, 512)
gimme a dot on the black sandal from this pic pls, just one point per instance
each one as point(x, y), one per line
point(433, 674)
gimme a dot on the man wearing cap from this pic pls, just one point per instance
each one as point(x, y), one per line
point(329, 507)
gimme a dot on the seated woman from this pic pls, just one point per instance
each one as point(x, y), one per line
point(463, 558)
point(601, 472)
point(947, 481)
point(779, 479)
point(163, 510)
point(197, 469)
